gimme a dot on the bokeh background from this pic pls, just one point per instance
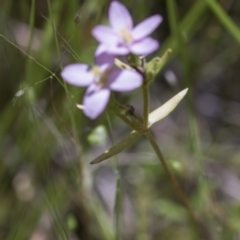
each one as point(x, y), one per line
point(48, 189)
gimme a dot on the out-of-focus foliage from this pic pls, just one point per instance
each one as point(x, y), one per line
point(48, 189)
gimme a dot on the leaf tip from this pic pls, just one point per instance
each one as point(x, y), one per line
point(184, 92)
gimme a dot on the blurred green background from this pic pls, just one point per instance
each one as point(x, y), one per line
point(48, 189)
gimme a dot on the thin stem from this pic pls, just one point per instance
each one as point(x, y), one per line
point(118, 205)
point(225, 20)
point(38, 63)
point(54, 32)
point(189, 25)
point(118, 193)
point(74, 128)
point(203, 191)
point(31, 24)
point(128, 122)
point(145, 104)
point(171, 177)
point(135, 124)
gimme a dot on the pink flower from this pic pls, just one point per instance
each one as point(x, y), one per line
point(122, 38)
point(100, 80)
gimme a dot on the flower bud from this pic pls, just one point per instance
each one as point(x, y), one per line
point(134, 60)
point(156, 65)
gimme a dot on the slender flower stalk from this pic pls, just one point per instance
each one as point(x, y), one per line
point(171, 177)
point(145, 104)
point(118, 193)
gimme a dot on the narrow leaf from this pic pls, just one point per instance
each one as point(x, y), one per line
point(117, 148)
point(166, 108)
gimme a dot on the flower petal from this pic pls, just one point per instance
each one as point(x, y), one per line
point(146, 27)
point(95, 101)
point(105, 35)
point(77, 74)
point(118, 50)
point(119, 16)
point(125, 80)
point(144, 47)
point(103, 57)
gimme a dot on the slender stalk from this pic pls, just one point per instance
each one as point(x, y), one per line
point(118, 205)
point(33, 59)
point(118, 193)
point(54, 32)
point(145, 104)
point(74, 126)
point(189, 25)
point(203, 190)
point(128, 122)
point(225, 20)
point(171, 177)
point(123, 113)
point(31, 24)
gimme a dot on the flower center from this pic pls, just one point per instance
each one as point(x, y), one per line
point(100, 77)
point(127, 37)
point(96, 71)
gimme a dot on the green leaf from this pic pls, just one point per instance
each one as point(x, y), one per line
point(117, 148)
point(166, 108)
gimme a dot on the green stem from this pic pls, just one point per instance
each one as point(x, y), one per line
point(54, 32)
point(118, 204)
point(118, 193)
point(128, 122)
point(74, 126)
point(225, 20)
point(203, 191)
point(171, 177)
point(145, 104)
point(33, 59)
point(31, 24)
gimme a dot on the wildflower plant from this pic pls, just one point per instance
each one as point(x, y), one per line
point(111, 74)
point(33, 118)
